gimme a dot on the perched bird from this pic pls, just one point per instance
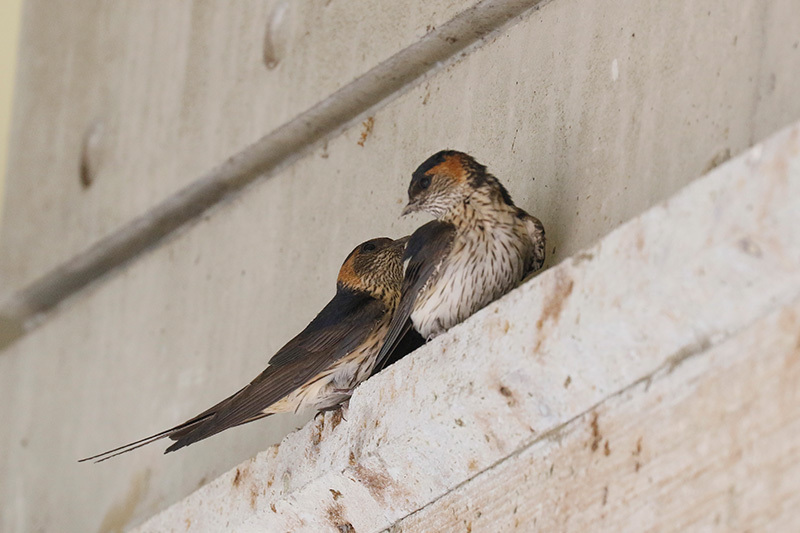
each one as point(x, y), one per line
point(320, 366)
point(479, 247)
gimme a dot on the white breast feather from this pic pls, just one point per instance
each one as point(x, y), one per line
point(481, 267)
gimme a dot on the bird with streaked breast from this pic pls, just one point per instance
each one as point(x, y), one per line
point(321, 365)
point(479, 247)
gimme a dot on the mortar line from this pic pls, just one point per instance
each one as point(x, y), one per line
point(468, 30)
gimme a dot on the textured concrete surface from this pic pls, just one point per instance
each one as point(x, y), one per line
point(647, 321)
point(581, 143)
point(709, 443)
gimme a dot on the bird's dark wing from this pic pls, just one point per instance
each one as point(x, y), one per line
point(406, 344)
point(343, 325)
point(426, 249)
point(347, 318)
point(339, 328)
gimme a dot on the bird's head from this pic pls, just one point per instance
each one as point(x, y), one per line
point(375, 267)
point(447, 179)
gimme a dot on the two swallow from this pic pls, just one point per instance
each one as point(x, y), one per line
point(479, 247)
point(323, 363)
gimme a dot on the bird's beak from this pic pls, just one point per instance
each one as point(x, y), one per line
point(402, 241)
point(412, 207)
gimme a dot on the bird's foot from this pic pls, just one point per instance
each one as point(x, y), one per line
point(323, 410)
point(343, 408)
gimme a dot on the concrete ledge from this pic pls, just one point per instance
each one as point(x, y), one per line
point(664, 301)
point(711, 443)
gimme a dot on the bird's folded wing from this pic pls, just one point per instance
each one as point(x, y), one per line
point(426, 250)
point(343, 325)
point(339, 328)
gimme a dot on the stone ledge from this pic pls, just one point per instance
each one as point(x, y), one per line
point(678, 451)
point(674, 282)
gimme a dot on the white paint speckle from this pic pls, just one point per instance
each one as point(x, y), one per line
point(755, 154)
point(615, 70)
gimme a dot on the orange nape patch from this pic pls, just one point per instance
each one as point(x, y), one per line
point(347, 274)
point(453, 167)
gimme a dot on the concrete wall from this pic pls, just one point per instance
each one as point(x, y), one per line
point(134, 118)
point(9, 35)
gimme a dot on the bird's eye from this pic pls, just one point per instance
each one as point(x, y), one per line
point(367, 247)
point(425, 182)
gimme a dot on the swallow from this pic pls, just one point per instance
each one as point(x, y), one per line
point(479, 247)
point(321, 365)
